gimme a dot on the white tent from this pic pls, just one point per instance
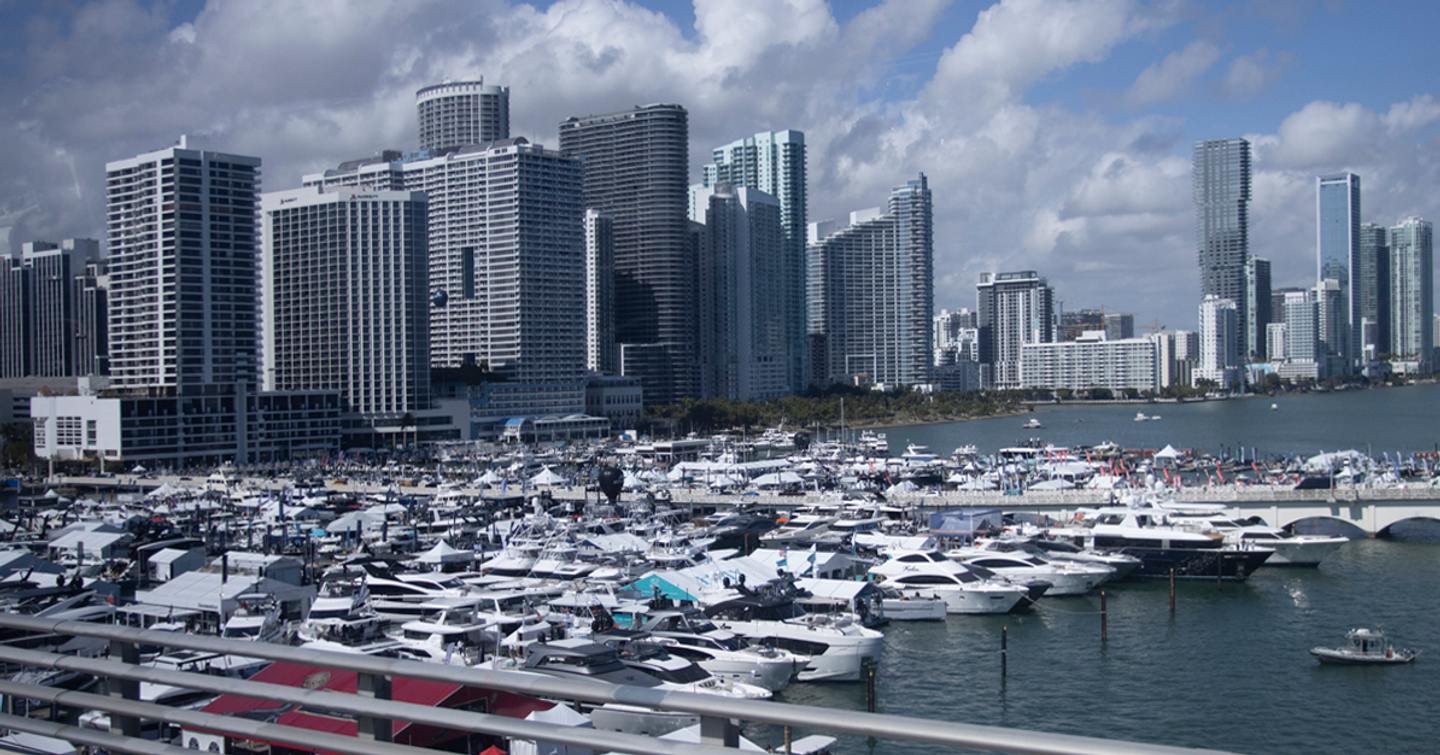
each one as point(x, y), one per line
point(1168, 452)
point(1057, 483)
point(777, 479)
point(978, 484)
point(903, 486)
point(489, 478)
point(722, 481)
point(444, 553)
point(547, 477)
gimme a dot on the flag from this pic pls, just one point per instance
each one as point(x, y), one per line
point(783, 562)
point(811, 559)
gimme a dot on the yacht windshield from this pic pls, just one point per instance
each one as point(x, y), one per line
point(687, 674)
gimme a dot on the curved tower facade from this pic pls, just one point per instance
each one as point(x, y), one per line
point(457, 113)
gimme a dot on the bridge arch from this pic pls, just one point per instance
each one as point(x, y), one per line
point(1430, 522)
point(1326, 524)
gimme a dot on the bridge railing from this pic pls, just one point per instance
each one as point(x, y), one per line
point(373, 710)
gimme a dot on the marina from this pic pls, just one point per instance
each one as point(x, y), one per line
point(841, 572)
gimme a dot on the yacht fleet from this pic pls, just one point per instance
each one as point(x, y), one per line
point(732, 598)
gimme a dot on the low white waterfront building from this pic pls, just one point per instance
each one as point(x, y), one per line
point(1092, 361)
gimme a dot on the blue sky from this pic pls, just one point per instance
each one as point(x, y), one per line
point(1056, 134)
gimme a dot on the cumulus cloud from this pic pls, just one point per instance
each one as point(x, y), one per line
point(1249, 75)
point(1082, 196)
point(1173, 75)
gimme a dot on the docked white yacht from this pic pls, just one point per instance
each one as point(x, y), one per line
point(800, 529)
point(689, 634)
point(1162, 547)
point(342, 613)
point(1065, 578)
point(928, 573)
point(1290, 549)
point(838, 648)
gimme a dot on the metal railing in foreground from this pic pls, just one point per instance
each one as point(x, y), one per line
point(374, 712)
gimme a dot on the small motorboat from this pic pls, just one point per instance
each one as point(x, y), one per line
point(1367, 646)
point(1032, 424)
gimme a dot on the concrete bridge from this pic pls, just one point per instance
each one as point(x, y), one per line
point(1371, 510)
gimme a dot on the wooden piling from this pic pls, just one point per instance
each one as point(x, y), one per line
point(1104, 619)
point(1004, 650)
point(1172, 592)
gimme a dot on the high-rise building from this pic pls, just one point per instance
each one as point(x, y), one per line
point(1013, 309)
point(954, 333)
point(600, 352)
point(1257, 300)
point(636, 164)
point(871, 295)
point(1372, 287)
point(506, 257)
point(1221, 187)
point(1331, 326)
point(92, 341)
point(740, 252)
point(1119, 326)
point(1219, 342)
point(15, 348)
point(774, 162)
point(1412, 290)
point(182, 319)
point(1337, 256)
point(457, 114)
point(346, 302)
point(1075, 323)
point(181, 254)
point(1275, 335)
point(38, 299)
point(1302, 327)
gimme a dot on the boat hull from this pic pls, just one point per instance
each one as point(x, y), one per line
point(1302, 552)
point(1196, 563)
point(914, 609)
point(1333, 657)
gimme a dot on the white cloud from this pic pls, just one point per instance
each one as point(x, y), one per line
point(1083, 196)
point(1249, 75)
point(1173, 75)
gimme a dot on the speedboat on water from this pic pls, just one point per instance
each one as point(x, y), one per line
point(1368, 647)
point(1032, 424)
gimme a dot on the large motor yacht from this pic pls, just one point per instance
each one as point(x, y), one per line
point(689, 634)
point(1162, 547)
point(838, 648)
point(965, 590)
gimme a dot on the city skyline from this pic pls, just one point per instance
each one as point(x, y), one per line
point(1115, 112)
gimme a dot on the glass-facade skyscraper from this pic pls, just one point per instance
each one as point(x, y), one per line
point(1221, 189)
point(636, 164)
point(1372, 288)
point(1257, 301)
point(1412, 289)
point(1337, 249)
point(774, 162)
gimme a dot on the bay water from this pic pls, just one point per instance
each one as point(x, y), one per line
point(1231, 670)
point(1379, 420)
